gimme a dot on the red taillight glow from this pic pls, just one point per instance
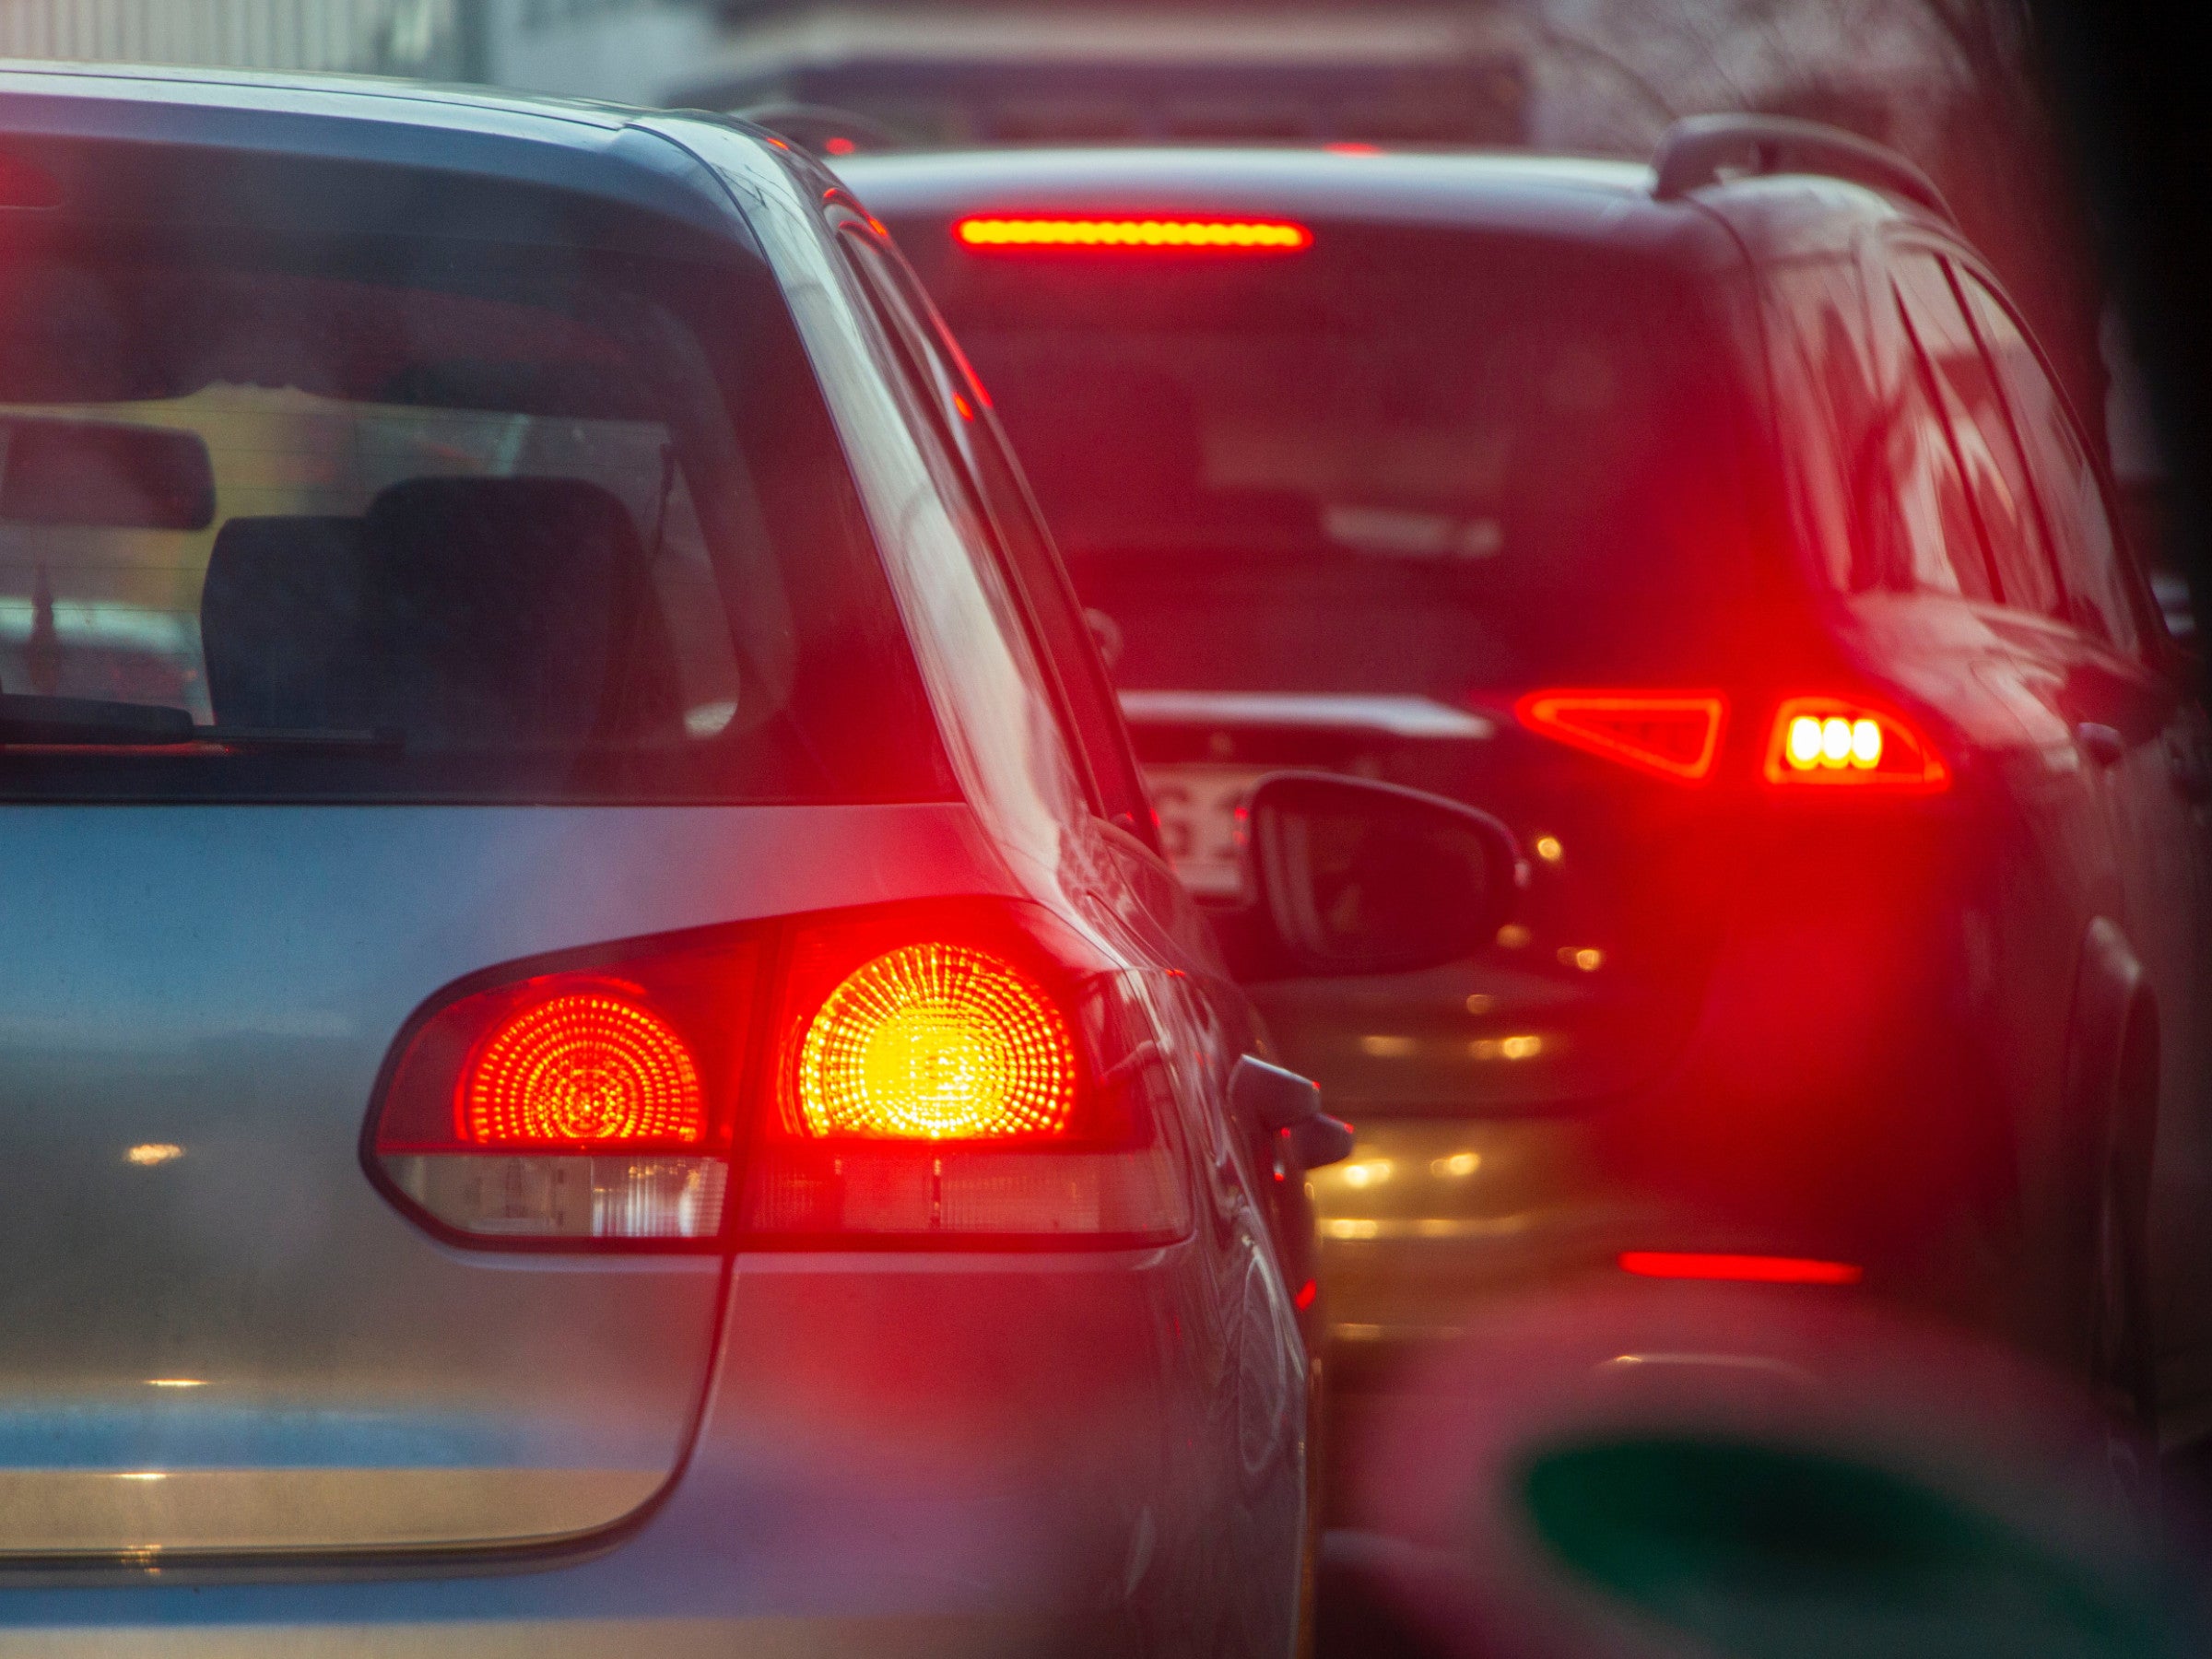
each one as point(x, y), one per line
point(984, 1082)
point(573, 1110)
point(1134, 235)
point(1745, 1269)
point(1672, 734)
point(967, 1070)
point(937, 1042)
point(584, 1069)
point(1827, 742)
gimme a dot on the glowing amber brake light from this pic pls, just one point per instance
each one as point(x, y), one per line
point(1833, 742)
point(1672, 734)
point(986, 233)
point(587, 1068)
point(937, 1042)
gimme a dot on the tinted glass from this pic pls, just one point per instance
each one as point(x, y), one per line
point(1829, 409)
point(2072, 497)
point(1982, 431)
point(1879, 491)
point(497, 529)
point(1402, 461)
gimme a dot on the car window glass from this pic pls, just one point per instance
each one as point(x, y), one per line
point(1409, 461)
point(1825, 380)
point(965, 420)
point(1914, 512)
point(1981, 428)
point(2074, 499)
point(1930, 521)
point(1879, 490)
point(536, 535)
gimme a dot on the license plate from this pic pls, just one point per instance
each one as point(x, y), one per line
point(1197, 807)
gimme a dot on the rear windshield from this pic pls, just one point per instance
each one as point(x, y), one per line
point(397, 520)
point(1402, 461)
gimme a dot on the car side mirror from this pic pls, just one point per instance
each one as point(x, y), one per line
point(1349, 876)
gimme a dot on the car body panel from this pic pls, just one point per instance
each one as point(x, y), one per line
point(892, 1464)
point(869, 1449)
point(221, 1299)
point(1867, 1056)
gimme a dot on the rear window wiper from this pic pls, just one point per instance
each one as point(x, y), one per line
point(68, 722)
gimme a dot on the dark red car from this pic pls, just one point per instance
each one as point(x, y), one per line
point(1719, 524)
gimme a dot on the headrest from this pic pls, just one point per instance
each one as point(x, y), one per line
point(503, 611)
point(280, 623)
point(463, 613)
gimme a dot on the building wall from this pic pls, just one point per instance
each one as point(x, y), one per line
point(623, 51)
point(432, 38)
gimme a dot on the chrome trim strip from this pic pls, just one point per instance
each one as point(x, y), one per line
point(1418, 717)
point(110, 1512)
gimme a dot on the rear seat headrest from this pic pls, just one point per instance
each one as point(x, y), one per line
point(472, 613)
point(280, 622)
point(500, 606)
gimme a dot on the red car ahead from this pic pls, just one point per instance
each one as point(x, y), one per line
point(1718, 522)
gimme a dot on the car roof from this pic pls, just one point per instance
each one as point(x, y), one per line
point(1566, 197)
point(362, 97)
point(489, 136)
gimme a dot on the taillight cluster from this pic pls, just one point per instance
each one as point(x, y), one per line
point(1825, 742)
point(1672, 734)
point(1151, 233)
point(1822, 742)
point(922, 1074)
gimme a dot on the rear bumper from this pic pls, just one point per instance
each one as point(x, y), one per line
point(899, 1455)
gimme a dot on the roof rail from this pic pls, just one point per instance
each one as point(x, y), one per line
point(1706, 149)
point(821, 130)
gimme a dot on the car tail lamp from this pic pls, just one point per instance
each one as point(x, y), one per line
point(1833, 743)
point(937, 1043)
point(967, 1072)
point(1671, 735)
point(968, 1084)
point(1030, 233)
point(583, 1067)
point(585, 1104)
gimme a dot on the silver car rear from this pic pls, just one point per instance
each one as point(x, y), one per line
point(565, 688)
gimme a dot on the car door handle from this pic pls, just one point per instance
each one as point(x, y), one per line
point(2102, 743)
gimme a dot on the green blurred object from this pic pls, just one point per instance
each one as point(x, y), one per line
point(1773, 1550)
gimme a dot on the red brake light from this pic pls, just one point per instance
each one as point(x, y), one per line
point(571, 1107)
point(1747, 1269)
point(975, 1073)
point(937, 1042)
point(583, 1068)
point(1673, 735)
point(965, 1071)
point(1147, 235)
point(1828, 742)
